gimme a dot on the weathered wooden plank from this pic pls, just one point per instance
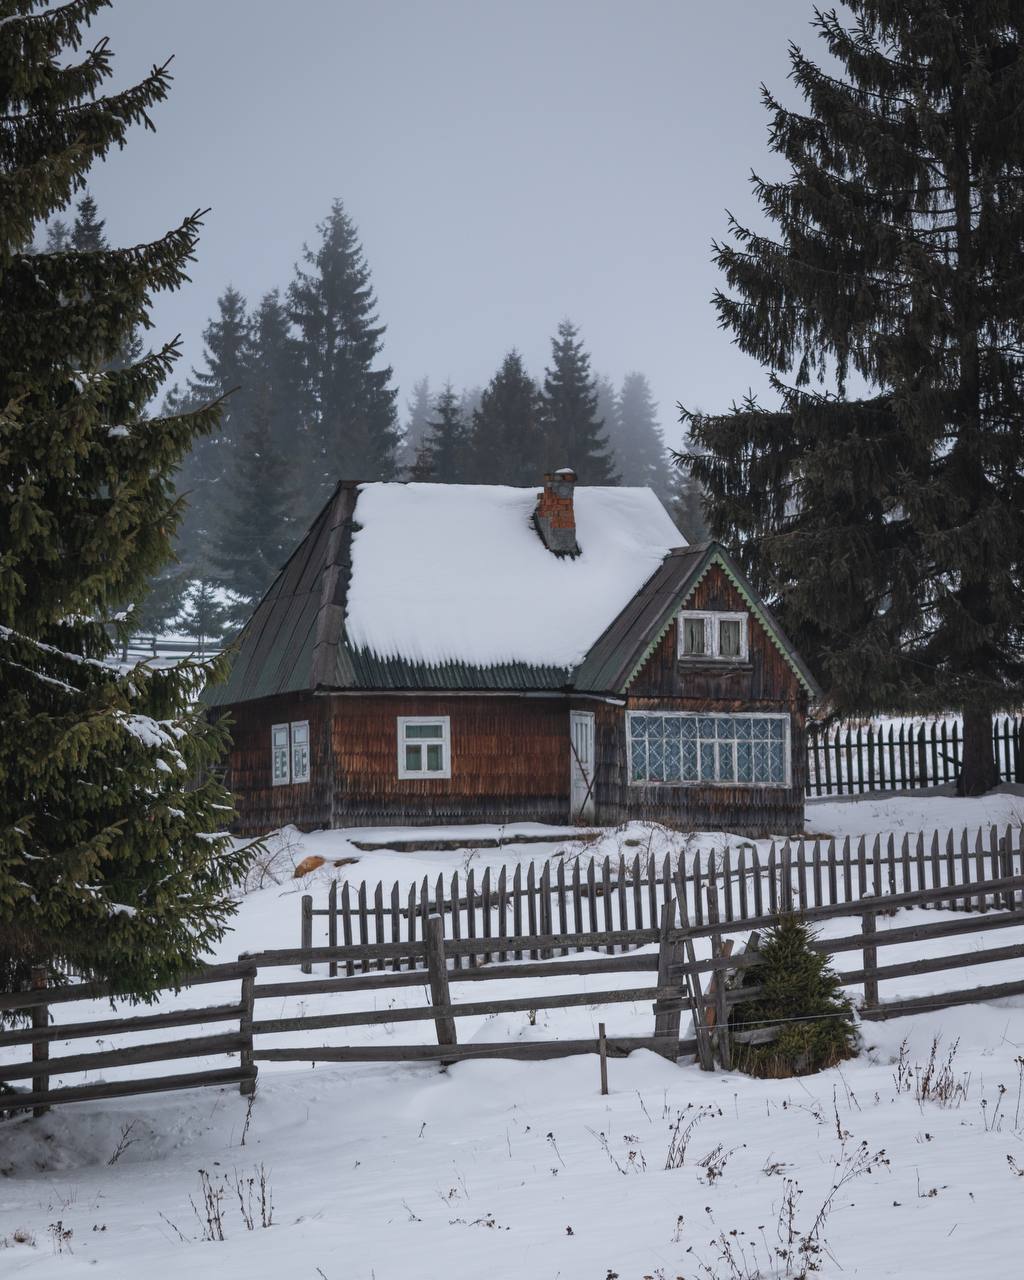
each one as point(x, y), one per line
point(563, 916)
point(364, 923)
point(162, 1051)
point(346, 923)
point(577, 900)
point(122, 1026)
point(128, 1088)
point(943, 1000)
point(544, 903)
point(618, 1046)
point(437, 970)
point(606, 894)
point(332, 924)
point(870, 961)
point(503, 915)
point(474, 1009)
point(245, 1022)
point(378, 916)
point(470, 916)
point(306, 930)
point(666, 1013)
point(531, 906)
point(486, 907)
point(622, 890)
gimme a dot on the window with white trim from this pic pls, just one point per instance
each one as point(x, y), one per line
point(289, 753)
point(424, 747)
point(683, 748)
point(721, 637)
point(300, 751)
point(280, 772)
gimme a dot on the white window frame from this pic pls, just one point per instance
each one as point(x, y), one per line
point(283, 777)
point(787, 747)
point(445, 742)
point(300, 774)
point(712, 636)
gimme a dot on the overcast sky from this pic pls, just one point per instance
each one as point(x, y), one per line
point(508, 164)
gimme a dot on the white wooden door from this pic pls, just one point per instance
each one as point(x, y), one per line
point(581, 766)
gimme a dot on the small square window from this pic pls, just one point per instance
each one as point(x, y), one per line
point(424, 747)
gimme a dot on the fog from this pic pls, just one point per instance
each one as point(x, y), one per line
point(508, 165)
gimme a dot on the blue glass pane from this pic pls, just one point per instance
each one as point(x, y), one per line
point(638, 756)
point(726, 763)
point(707, 727)
point(743, 727)
point(672, 760)
point(778, 729)
point(654, 726)
point(761, 773)
point(688, 728)
point(689, 770)
point(726, 727)
point(777, 766)
point(707, 762)
point(655, 759)
point(744, 762)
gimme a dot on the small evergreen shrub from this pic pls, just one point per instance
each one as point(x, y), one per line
point(802, 997)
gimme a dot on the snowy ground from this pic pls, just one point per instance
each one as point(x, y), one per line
point(523, 1169)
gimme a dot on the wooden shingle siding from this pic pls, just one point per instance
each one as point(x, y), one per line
point(262, 806)
point(764, 683)
point(509, 761)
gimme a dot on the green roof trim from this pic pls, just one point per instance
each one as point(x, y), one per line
point(716, 555)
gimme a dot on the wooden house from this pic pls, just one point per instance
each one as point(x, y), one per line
point(476, 653)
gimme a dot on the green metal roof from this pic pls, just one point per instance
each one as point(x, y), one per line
point(295, 640)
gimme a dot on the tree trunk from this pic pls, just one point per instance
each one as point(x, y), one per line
point(978, 770)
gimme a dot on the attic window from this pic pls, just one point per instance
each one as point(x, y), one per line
point(424, 747)
point(720, 637)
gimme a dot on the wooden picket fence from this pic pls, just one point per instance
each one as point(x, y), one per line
point(645, 918)
point(497, 911)
point(846, 760)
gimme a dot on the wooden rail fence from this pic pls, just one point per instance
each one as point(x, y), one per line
point(497, 911)
point(714, 902)
point(897, 757)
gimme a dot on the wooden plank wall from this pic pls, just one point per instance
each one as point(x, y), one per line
point(510, 760)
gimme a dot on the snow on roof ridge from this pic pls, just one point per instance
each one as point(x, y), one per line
point(457, 573)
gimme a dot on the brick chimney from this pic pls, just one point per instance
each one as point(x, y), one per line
point(555, 516)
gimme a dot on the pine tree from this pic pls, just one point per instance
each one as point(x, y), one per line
point(106, 858)
point(888, 530)
point(639, 446)
point(686, 500)
point(225, 368)
point(350, 404)
point(507, 440)
point(444, 453)
point(87, 232)
point(575, 434)
point(205, 617)
point(800, 999)
point(418, 416)
point(58, 236)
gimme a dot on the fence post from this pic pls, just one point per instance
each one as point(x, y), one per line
point(433, 936)
point(719, 951)
point(602, 1047)
point(247, 1087)
point(870, 961)
point(667, 1009)
point(40, 1048)
point(306, 943)
point(332, 924)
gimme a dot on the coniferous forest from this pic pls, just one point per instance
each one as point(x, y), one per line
point(307, 398)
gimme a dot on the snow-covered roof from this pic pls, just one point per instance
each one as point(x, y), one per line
point(457, 573)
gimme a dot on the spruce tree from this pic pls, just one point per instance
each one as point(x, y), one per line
point(639, 446)
point(419, 412)
point(350, 405)
point(87, 233)
point(226, 363)
point(574, 432)
point(444, 453)
point(800, 1002)
point(205, 617)
point(888, 529)
point(686, 500)
point(110, 859)
point(507, 440)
